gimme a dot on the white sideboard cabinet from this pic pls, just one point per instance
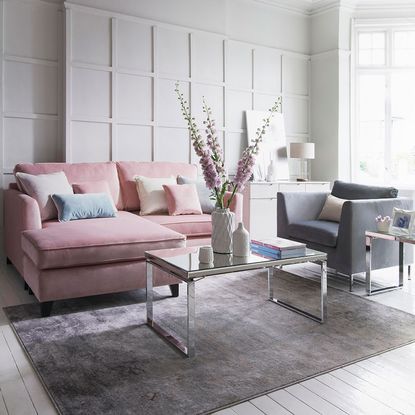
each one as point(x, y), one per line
point(260, 204)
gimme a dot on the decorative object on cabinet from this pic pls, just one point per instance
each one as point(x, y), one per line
point(304, 152)
point(260, 204)
point(241, 243)
point(273, 149)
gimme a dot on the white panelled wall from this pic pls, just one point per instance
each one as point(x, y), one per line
point(86, 84)
point(120, 80)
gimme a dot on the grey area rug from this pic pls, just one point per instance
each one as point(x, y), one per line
point(97, 356)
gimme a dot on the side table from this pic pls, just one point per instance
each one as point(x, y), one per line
point(401, 239)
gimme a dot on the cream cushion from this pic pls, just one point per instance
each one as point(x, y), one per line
point(151, 194)
point(332, 209)
point(41, 187)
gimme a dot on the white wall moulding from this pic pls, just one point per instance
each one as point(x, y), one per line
point(121, 95)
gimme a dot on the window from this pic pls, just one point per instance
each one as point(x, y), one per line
point(384, 130)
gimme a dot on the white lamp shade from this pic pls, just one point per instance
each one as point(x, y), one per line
point(302, 150)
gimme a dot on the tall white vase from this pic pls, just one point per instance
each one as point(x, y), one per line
point(241, 242)
point(222, 229)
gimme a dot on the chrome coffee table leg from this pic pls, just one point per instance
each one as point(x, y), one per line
point(188, 348)
point(323, 296)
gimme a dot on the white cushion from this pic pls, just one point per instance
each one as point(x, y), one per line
point(151, 194)
point(332, 209)
point(41, 187)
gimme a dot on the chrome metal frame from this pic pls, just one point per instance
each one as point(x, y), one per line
point(323, 296)
point(370, 238)
point(187, 346)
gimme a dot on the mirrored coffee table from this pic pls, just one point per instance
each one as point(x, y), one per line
point(183, 263)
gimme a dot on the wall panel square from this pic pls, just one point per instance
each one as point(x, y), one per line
point(134, 45)
point(172, 144)
point(267, 70)
point(295, 75)
point(31, 30)
point(91, 93)
point(91, 38)
point(173, 52)
point(30, 141)
point(263, 102)
point(235, 144)
point(296, 116)
point(237, 103)
point(134, 98)
point(239, 65)
point(207, 57)
point(214, 98)
point(168, 106)
point(90, 142)
point(30, 88)
point(134, 142)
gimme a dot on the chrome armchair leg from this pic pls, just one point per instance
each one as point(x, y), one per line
point(351, 278)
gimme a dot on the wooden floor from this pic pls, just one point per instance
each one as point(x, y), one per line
point(380, 385)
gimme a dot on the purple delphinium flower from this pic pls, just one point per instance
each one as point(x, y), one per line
point(247, 161)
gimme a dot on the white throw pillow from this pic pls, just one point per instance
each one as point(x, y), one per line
point(332, 209)
point(151, 194)
point(41, 187)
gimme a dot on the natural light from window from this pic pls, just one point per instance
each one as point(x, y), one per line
point(384, 131)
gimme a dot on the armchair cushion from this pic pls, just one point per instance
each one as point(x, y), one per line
point(353, 191)
point(322, 232)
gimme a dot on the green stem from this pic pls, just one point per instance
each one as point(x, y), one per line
point(235, 187)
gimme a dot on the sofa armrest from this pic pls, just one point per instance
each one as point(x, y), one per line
point(357, 217)
point(21, 213)
point(235, 206)
point(297, 206)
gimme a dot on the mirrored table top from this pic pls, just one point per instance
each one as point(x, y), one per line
point(185, 261)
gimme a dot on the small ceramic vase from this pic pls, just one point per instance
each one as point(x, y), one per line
point(241, 243)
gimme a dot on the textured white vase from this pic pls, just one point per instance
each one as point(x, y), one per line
point(241, 242)
point(222, 230)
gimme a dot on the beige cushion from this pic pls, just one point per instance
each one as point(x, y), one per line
point(332, 209)
point(41, 187)
point(151, 194)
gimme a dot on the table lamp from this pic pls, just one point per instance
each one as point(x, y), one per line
point(304, 152)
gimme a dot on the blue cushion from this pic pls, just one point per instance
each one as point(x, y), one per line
point(354, 191)
point(322, 232)
point(83, 206)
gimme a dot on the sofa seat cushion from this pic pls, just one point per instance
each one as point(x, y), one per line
point(96, 241)
point(189, 225)
point(321, 232)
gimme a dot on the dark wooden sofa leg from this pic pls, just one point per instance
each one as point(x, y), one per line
point(8, 262)
point(174, 290)
point(46, 308)
point(26, 287)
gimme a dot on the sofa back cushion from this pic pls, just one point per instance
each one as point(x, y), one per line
point(127, 170)
point(354, 191)
point(79, 173)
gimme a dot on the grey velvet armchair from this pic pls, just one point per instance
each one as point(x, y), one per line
point(344, 242)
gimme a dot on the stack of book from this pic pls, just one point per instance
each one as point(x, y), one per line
point(277, 248)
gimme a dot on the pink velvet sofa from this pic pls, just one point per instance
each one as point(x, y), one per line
point(96, 256)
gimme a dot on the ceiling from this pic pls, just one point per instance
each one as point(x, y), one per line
point(314, 6)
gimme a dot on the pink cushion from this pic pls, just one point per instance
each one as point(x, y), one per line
point(97, 186)
point(96, 241)
point(189, 225)
point(80, 172)
point(182, 199)
point(128, 169)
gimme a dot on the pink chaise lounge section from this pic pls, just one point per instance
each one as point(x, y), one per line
point(97, 256)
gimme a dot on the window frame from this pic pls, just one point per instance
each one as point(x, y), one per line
point(390, 27)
